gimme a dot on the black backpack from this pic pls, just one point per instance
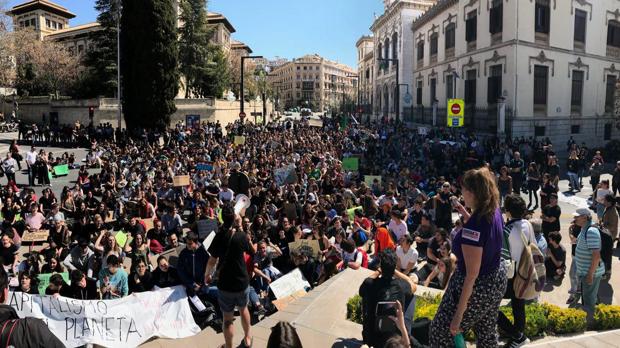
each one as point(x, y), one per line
point(206, 318)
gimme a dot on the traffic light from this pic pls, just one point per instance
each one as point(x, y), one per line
point(91, 112)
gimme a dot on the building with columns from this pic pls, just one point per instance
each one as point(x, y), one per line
point(545, 68)
point(392, 42)
point(314, 82)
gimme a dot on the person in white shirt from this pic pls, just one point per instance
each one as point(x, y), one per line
point(9, 165)
point(226, 194)
point(407, 256)
point(31, 158)
point(397, 226)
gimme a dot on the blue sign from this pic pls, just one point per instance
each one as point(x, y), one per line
point(407, 99)
point(204, 166)
point(455, 122)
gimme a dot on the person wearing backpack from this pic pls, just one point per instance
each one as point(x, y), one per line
point(589, 266)
point(512, 250)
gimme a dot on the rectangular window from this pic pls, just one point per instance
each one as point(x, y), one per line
point(60, 26)
point(541, 76)
point(542, 16)
point(607, 132)
point(450, 39)
point(418, 94)
point(434, 44)
point(610, 93)
point(494, 91)
point(48, 23)
point(470, 87)
point(433, 90)
point(471, 27)
point(421, 50)
point(449, 86)
point(613, 34)
point(54, 25)
point(33, 22)
point(496, 18)
point(577, 90)
point(539, 131)
point(580, 26)
point(575, 129)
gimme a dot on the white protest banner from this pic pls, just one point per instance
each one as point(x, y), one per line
point(289, 284)
point(126, 322)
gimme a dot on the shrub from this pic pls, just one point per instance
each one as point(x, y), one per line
point(565, 320)
point(354, 309)
point(535, 319)
point(426, 311)
point(607, 317)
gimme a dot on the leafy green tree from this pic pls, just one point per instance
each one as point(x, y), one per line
point(193, 45)
point(216, 79)
point(149, 62)
point(101, 59)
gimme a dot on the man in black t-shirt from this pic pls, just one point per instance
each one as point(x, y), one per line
point(388, 285)
point(516, 172)
point(233, 284)
point(551, 216)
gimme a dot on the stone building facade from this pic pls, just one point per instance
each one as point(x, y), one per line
point(315, 82)
point(552, 64)
point(366, 70)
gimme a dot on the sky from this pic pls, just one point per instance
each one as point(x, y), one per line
point(284, 28)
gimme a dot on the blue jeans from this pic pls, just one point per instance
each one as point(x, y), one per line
point(589, 292)
point(573, 180)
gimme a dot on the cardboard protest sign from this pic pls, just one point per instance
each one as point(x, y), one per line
point(61, 170)
point(172, 255)
point(286, 175)
point(36, 236)
point(44, 280)
point(289, 284)
point(180, 180)
point(368, 179)
point(239, 140)
point(121, 238)
point(125, 322)
point(306, 246)
point(205, 227)
point(204, 166)
point(351, 164)
point(148, 224)
point(109, 218)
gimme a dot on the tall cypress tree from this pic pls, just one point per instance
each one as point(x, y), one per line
point(193, 45)
point(149, 62)
point(101, 59)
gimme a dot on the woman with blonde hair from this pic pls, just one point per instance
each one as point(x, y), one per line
point(477, 286)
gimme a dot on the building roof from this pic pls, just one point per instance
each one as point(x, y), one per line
point(363, 39)
point(41, 5)
point(432, 12)
point(238, 45)
point(214, 18)
point(75, 31)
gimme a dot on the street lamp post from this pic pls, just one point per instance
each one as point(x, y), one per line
point(407, 85)
point(241, 93)
point(357, 76)
point(397, 96)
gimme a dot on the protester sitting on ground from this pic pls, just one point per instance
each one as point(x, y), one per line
point(80, 258)
point(28, 283)
point(140, 278)
point(57, 286)
point(82, 288)
point(8, 252)
point(165, 275)
point(192, 264)
point(352, 257)
point(423, 235)
point(439, 277)
point(113, 282)
point(407, 255)
point(555, 262)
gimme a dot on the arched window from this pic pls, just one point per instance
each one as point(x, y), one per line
point(386, 49)
point(395, 46)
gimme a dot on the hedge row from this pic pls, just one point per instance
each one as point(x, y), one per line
point(541, 319)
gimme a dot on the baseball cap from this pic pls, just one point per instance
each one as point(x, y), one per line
point(582, 212)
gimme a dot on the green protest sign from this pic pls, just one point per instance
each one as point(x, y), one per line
point(351, 164)
point(121, 238)
point(44, 280)
point(351, 212)
point(61, 170)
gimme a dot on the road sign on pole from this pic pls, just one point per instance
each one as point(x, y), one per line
point(407, 99)
point(456, 112)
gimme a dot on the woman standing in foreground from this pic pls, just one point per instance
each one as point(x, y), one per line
point(479, 282)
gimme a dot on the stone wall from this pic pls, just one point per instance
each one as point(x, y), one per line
point(41, 109)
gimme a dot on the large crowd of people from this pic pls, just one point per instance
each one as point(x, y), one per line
point(431, 207)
